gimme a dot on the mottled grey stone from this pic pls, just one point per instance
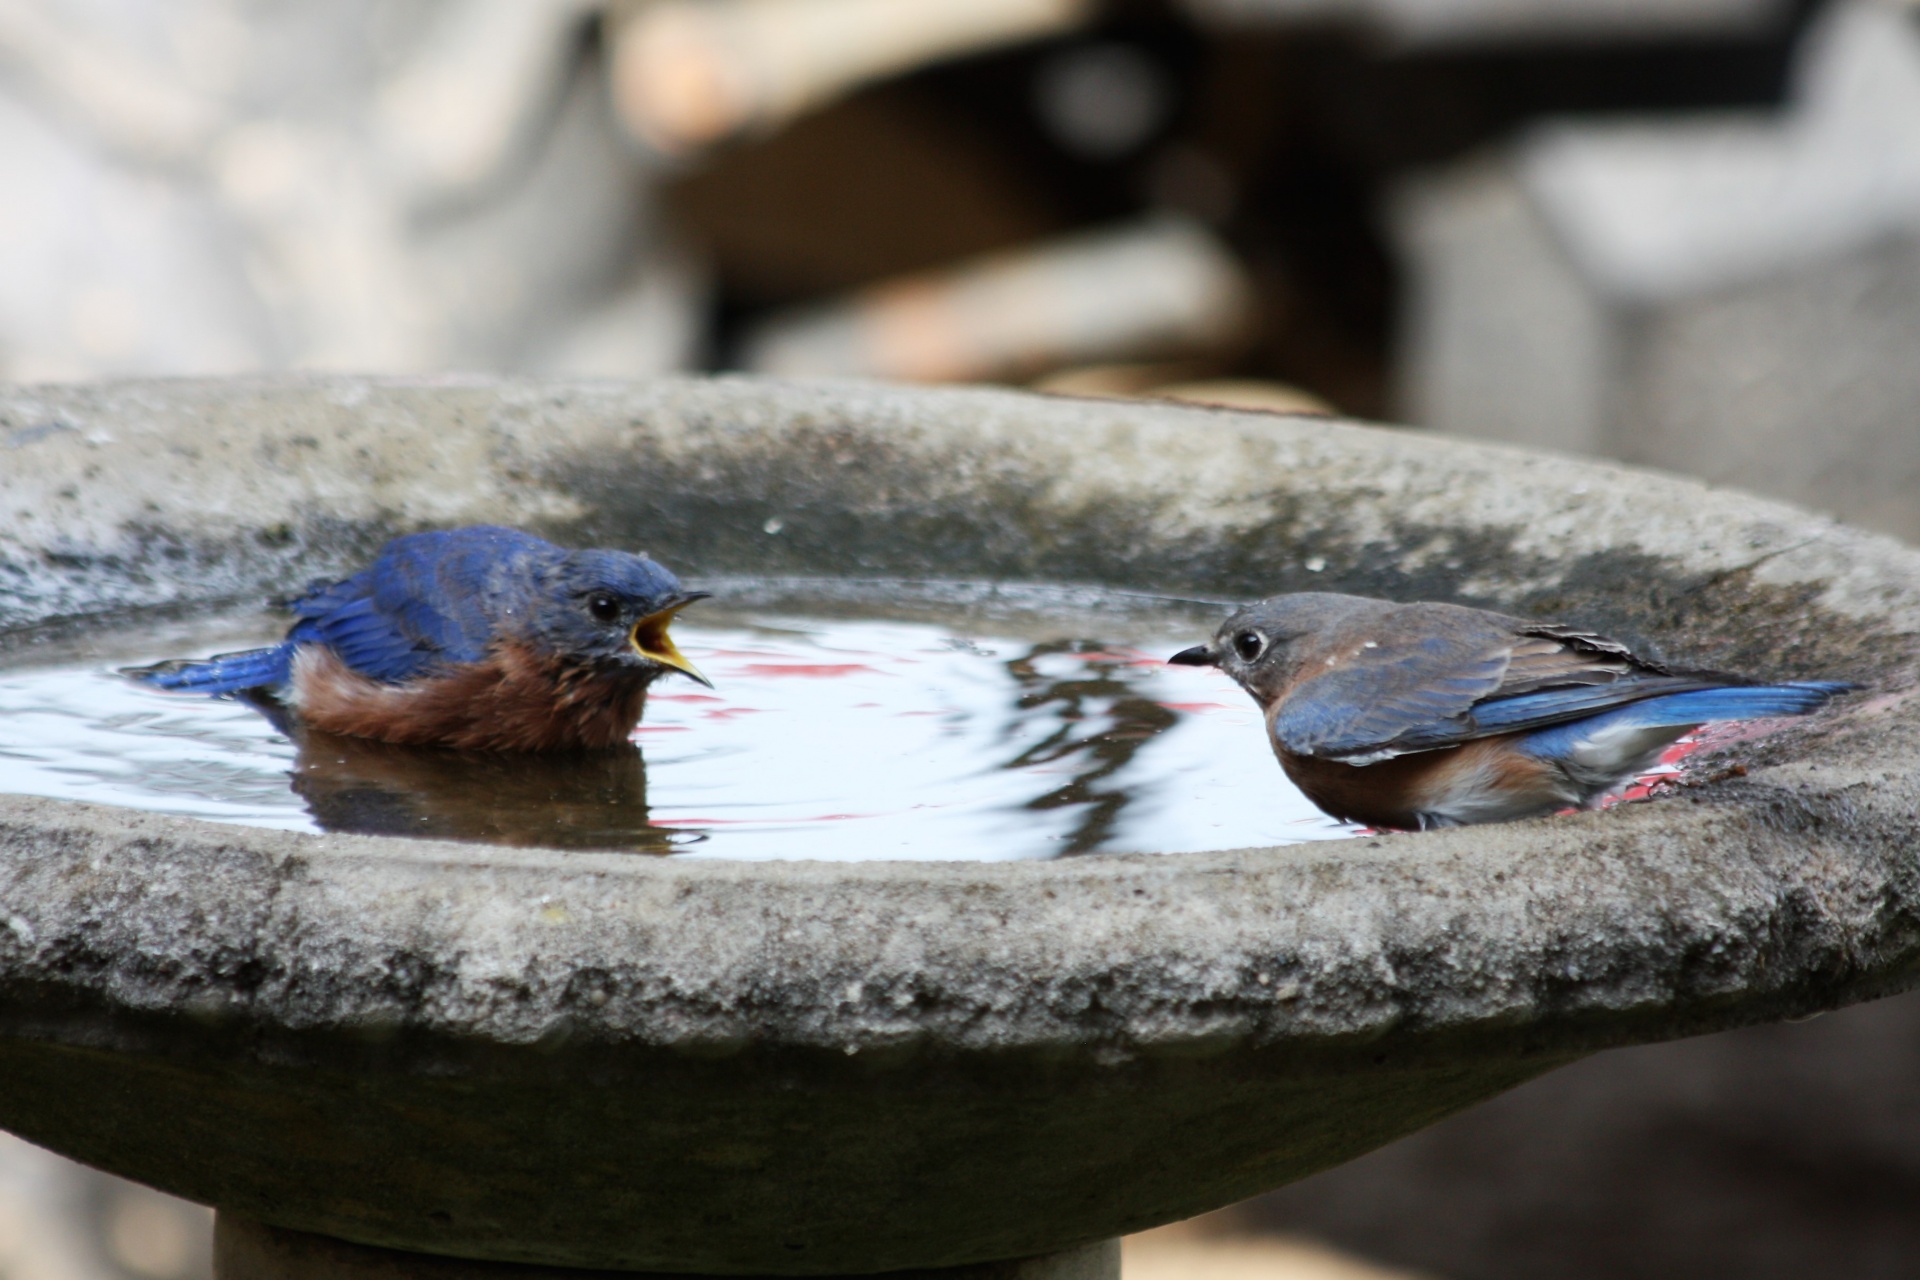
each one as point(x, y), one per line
point(594, 1060)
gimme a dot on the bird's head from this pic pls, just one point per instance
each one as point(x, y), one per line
point(610, 607)
point(1263, 645)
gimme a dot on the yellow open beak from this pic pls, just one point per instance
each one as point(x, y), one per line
point(650, 639)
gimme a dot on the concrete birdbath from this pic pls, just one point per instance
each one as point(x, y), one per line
point(355, 1045)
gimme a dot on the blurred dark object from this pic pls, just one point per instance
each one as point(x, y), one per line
point(1284, 140)
point(879, 184)
point(1772, 1153)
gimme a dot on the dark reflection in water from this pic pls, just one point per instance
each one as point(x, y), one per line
point(1100, 690)
point(566, 800)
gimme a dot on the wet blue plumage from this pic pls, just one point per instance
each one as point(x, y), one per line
point(449, 603)
point(429, 600)
point(225, 673)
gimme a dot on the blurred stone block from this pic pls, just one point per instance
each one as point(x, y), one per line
point(63, 1221)
point(1162, 286)
point(402, 185)
point(456, 113)
point(1734, 297)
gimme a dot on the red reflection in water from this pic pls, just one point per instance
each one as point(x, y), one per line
point(684, 697)
point(812, 669)
point(749, 822)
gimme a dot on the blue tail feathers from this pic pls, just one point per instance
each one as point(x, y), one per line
point(1666, 717)
point(1735, 702)
point(221, 674)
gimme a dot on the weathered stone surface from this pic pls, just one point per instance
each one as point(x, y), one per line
point(600, 1061)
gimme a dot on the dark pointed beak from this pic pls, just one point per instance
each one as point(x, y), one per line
point(1199, 656)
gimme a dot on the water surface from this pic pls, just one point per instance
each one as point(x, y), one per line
point(876, 721)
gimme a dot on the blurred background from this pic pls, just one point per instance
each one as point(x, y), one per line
point(1678, 232)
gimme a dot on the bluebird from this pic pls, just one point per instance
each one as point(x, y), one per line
point(479, 638)
point(1418, 716)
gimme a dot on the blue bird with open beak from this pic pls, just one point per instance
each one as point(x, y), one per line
point(1416, 716)
point(482, 638)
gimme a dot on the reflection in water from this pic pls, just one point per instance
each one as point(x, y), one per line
point(567, 800)
point(1096, 689)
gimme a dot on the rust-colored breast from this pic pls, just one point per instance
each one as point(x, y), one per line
point(513, 701)
point(1377, 795)
point(1479, 781)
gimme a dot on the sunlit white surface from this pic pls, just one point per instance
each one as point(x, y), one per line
point(836, 739)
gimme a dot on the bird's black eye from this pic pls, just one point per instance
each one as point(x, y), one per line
point(603, 607)
point(1249, 645)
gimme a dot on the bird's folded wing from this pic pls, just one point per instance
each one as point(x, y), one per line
point(369, 640)
point(1363, 705)
point(397, 619)
point(1429, 694)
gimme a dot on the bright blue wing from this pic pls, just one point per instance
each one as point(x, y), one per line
point(430, 600)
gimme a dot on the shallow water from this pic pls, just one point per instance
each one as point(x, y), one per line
point(927, 725)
